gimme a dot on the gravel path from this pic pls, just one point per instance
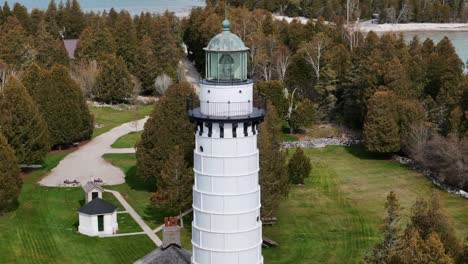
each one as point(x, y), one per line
point(191, 74)
point(87, 164)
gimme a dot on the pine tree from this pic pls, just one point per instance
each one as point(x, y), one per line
point(61, 102)
point(10, 180)
point(74, 19)
point(146, 65)
point(50, 18)
point(15, 45)
point(37, 16)
point(299, 167)
point(430, 218)
point(6, 12)
point(275, 92)
point(50, 50)
point(95, 43)
point(167, 49)
point(302, 116)
point(126, 39)
point(167, 127)
point(21, 13)
point(22, 124)
point(273, 175)
point(381, 130)
point(174, 183)
point(385, 250)
point(114, 82)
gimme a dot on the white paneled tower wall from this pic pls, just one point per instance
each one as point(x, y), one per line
point(226, 227)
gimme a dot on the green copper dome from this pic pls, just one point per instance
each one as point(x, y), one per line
point(226, 41)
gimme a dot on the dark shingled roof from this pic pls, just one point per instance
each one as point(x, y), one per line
point(97, 206)
point(172, 254)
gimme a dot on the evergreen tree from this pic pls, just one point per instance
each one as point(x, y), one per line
point(61, 103)
point(299, 167)
point(6, 12)
point(167, 127)
point(167, 48)
point(50, 18)
point(74, 19)
point(146, 65)
point(381, 130)
point(22, 124)
point(384, 250)
point(275, 92)
point(114, 82)
point(21, 13)
point(174, 183)
point(95, 43)
point(10, 180)
point(432, 218)
point(126, 39)
point(15, 46)
point(413, 249)
point(273, 175)
point(37, 16)
point(302, 116)
point(50, 50)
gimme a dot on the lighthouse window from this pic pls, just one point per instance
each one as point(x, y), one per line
point(258, 218)
point(240, 91)
point(201, 149)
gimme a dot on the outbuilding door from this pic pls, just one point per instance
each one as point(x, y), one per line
point(100, 220)
point(94, 195)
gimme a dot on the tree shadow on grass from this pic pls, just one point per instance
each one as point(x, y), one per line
point(359, 151)
point(156, 215)
point(137, 183)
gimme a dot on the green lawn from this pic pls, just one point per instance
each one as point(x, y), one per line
point(127, 224)
point(138, 195)
point(106, 118)
point(128, 141)
point(335, 217)
point(44, 228)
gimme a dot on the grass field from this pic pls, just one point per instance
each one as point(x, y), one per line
point(128, 141)
point(335, 216)
point(106, 118)
point(138, 196)
point(44, 228)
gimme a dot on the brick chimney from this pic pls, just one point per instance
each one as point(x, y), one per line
point(171, 232)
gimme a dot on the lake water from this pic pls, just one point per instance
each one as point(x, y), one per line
point(180, 7)
point(459, 40)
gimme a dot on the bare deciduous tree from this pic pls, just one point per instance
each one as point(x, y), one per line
point(416, 141)
point(313, 52)
point(282, 60)
point(85, 74)
point(162, 83)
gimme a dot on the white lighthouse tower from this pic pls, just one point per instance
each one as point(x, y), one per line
point(226, 227)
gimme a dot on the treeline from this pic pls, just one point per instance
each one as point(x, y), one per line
point(43, 93)
point(380, 85)
point(388, 11)
point(137, 49)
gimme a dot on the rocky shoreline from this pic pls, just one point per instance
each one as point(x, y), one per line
point(321, 143)
point(429, 174)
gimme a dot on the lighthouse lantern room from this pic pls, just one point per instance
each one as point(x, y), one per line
point(226, 227)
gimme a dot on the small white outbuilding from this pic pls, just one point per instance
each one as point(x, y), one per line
point(92, 190)
point(98, 217)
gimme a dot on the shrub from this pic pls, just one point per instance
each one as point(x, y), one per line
point(299, 167)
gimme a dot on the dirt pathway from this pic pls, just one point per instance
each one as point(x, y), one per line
point(87, 164)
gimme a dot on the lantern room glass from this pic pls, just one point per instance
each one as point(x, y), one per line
point(226, 66)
